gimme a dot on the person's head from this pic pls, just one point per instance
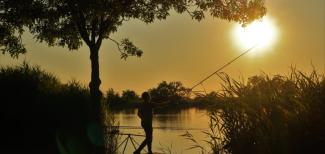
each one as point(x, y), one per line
point(146, 97)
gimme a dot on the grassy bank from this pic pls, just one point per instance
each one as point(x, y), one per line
point(269, 114)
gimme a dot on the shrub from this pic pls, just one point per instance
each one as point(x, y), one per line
point(39, 114)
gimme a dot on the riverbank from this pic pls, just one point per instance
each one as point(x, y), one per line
point(266, 114)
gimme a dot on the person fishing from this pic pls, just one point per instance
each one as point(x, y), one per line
point(145, 112)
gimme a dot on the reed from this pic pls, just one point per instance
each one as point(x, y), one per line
point(278, 114)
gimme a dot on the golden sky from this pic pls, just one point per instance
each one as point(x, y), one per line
point(181, 49)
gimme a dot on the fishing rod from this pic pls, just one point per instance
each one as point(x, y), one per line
point(224, 66)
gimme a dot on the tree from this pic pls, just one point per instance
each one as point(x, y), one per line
point(212, 99)
point(130, 97)
point(174, 91)
point(69, 23)
point(113, 98)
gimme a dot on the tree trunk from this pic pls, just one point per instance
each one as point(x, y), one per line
point(96, 96)
point(95, 82)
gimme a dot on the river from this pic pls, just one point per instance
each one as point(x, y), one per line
point(168, 128)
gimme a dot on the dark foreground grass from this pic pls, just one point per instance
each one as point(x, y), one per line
point(39, 114)
point(269, 115)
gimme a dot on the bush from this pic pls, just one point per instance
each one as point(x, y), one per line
point(41, 115)
point(127, 100)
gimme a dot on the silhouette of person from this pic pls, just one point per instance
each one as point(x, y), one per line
point(145, 112)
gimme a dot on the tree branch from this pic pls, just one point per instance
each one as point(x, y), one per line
point(93, 30)
point(117, 44)
point(82, 28)
point(127, 48)
point(103, 25)
point(80, 21)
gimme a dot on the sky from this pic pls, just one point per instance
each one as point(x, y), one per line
point(181, 49)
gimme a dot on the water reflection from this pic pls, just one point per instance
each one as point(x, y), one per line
point(168, 126)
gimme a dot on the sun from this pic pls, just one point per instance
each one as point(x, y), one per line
point(261, 33)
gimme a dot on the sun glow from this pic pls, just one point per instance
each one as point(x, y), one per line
point(261, 33)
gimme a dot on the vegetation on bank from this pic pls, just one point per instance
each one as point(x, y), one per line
point(174, 92)
point(266, 114)
point(39, 114)
point(278, 114)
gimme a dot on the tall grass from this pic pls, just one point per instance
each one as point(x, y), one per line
point(279, 114)
point(111, 131)
point(39, 114)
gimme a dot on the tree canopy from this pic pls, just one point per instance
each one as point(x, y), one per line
point(69, 23)
point(172, 90)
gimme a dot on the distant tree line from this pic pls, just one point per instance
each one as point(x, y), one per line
point(178, 95)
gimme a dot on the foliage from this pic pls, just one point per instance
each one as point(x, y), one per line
point(12, 21)
point(112, 97)
point(128, 99)
point(67, 23)
point(130, 96)
point(174, 91)
point(39, 114)
point(279, 114)
point(211, 99)
point(112, 128)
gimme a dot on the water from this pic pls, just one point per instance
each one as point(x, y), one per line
point(168, 128)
